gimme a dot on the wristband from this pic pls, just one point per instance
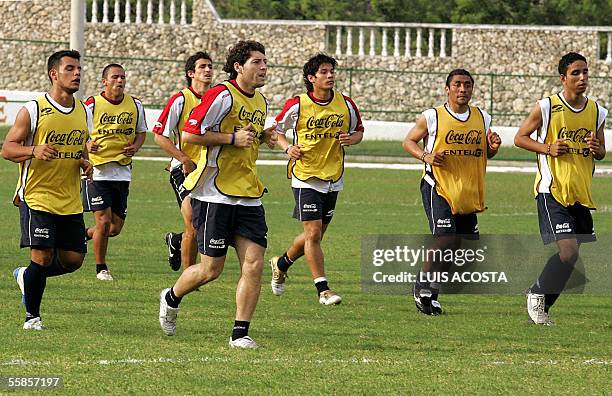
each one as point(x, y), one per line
point(287, 149)
point(233, 139)
point(423, 156)
point(548, 150)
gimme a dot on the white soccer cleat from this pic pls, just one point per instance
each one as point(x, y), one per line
point(329, 297)
point(535, 308)
point(18, 275)
point(104, 275)
point(278, 277)
point(167, 315)
point(245, 342)
point(33, 324)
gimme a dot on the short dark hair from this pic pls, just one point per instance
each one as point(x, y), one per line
point(240, 53)
point(567, 59)
point(458, 72)
point(54, 60)
point(108, 67)
point(312, 66)
point(190, 64)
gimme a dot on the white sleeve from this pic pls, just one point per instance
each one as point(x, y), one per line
point(32, 108)
point(603, 113)
point(288, 119)
point(89, 119)
point(217, 111)
point(142, 122)
point(432, 121)
point(355, 121)
point(545, 111)
point(487, 120)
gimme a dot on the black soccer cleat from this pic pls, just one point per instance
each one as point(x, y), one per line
point(422, 301)
point(174, 252)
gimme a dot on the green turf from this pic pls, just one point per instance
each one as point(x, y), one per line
point(104, 338)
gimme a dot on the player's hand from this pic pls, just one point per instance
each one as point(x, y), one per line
point(270, 136)
point(295, 151)
point(493, 141)
point(348, 139)
point(594, 145)
point(86, 167)
point(130, 150)
point(244, 136)
point(435, 159)
point(44, 152)
point(559, 147)
point(188, 166)
point(93, 146)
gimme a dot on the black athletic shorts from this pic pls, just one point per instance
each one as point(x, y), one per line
point(313, 205)
point(218, 224)
point(43, 230)
point(559, 222)
point(102, 194)
point(441, 219)
point(177, 177)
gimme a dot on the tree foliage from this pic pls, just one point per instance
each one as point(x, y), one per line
point(511, 12)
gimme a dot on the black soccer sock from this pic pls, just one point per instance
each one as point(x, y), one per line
point(421, 283)
point(176, 240)
point(321, 287)
point(284, 262)
point(56, 269)
point(101, 267)
point(241, 329)
point(172, 299)
point(34, 282)
point(553, 278)
point(549, 300)
point(435, 290)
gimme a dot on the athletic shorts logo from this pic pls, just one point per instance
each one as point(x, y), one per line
point(216, 243)
point(158, 125)
point(309, 207)
point(193, 122)
point(444, 223)
point(330, 213)
point(562, 228)
point(97, 200)
point(41, 233)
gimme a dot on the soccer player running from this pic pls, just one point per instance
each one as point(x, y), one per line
point(324, 121)
point(225, 189)
point(119, 128)
point(457, 142)
point(182, 246)
point(48, 141)
point(570, 137)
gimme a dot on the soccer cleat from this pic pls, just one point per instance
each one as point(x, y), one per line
point(245, 342)
point(34, 324)
point(423, 301)
point(329, 297)
point(174, 253)
point(278, 277)
point(104, 275)
point(18, 275)
point(167, 315)
point(436, 308)
point(535, 309)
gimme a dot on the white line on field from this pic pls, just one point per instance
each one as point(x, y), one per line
point(361, 165)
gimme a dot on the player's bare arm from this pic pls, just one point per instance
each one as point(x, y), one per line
point(532, 123)
point(241, 138)
point(597, 143)
point(493, 143)
point(131, 149)
point(349, 139)
point(166, 144)
point(411, 144)
point(13, 148)
point(293, 151)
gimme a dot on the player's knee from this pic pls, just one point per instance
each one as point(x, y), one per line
point(569, 256)
point(103, 225)
point(114, 230)
point(252, 268)
point(189, 234)
point(313, 235)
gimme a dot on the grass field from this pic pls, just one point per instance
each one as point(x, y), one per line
point(104, 338)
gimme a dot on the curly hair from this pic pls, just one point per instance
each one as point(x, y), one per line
point(240, 53)
point(312, 66)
